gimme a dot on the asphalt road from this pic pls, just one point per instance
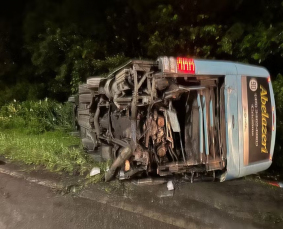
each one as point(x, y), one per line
point(236, 204)
point(24, 205)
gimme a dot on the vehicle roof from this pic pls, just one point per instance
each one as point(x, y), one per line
point(216, 67)
point(212, 67)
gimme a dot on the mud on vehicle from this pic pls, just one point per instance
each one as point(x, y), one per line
point(160, 118)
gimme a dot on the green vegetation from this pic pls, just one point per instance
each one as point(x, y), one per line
point(52, 150)
point(278, 156)
point(53, 46)
point(35, 117)
point(36, 133)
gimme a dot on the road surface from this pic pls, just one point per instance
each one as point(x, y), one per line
point(237, 204)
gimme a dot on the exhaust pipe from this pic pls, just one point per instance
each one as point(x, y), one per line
point(124, 155)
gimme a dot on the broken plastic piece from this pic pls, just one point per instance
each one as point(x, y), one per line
point(170, 185)
point(127, 165)
point(174, 121)
point(94, 171)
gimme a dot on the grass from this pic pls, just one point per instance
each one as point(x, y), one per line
point(36, 133)
point(54, 150)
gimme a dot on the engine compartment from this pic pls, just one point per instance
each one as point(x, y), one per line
point(153, 124)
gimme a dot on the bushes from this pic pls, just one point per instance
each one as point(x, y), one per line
point(278, 93)
point(36, 116)
point(34, 132)
point(54, 150)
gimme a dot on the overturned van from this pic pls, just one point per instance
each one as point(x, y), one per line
point(195, 118)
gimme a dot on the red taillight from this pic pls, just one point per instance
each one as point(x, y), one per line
point(185, 65)
point(268, 79)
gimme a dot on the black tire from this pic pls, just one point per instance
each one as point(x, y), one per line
point(83, 89)
point(85, 98)
point(82, 132)
point(83, 106)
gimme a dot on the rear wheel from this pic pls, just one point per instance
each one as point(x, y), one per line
point(83, 117)
point(83, 89)
point(85, 98)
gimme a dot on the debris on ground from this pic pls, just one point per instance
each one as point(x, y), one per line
point(94, 171)
point(149, 181)
point(170, 185)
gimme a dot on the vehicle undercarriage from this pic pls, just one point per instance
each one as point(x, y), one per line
point(153, 124)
